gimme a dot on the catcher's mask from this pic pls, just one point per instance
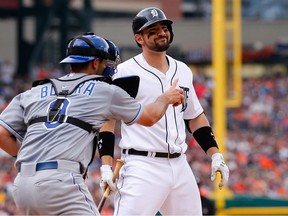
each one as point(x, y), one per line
point(113, 59)
point(85, 48)
point(148, 17)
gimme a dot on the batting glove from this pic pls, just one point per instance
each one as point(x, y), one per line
point(107, 178)
point(218, 165)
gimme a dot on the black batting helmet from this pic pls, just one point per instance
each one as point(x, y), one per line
point(148, 17)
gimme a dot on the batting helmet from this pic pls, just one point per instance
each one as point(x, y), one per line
point(86, 47)
point(148, 17)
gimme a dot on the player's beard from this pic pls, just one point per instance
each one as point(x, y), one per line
point(159, 47)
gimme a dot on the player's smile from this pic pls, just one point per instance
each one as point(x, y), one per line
point(162, 42)
point(162, 39)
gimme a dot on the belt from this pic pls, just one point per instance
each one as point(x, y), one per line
point(150, 154)
point(65, 165)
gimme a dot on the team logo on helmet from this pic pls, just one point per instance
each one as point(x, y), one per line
point(154, 13)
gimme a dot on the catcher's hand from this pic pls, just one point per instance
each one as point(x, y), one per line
point(218, 165)
point(107, 178)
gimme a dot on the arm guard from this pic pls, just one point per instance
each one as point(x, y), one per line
point(205, 138)
point(106, 143)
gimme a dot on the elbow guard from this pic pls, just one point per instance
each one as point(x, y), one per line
point(106, 143)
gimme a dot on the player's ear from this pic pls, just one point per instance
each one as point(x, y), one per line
point(95, 63)
point(138, 38)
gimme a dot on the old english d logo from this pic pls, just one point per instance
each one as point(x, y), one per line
point(186, 92)
point(154, 13)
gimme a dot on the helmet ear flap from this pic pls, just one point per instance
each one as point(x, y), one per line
point(137, 23)
point(171, 33)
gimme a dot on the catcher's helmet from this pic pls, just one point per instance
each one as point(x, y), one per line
point(113, 59)
point(148, 17)
point(86, 47)
point(114, 53)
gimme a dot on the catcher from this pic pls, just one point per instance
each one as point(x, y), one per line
point(51, 127)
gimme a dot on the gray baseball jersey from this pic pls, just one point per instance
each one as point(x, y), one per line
point(94, 102)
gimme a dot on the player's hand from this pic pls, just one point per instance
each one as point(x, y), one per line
point(174, 95)
point(218, 165)
point(107, 178)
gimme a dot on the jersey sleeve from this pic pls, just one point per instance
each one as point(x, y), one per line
point(12, 118)
point(194, 107)
point(125, 108)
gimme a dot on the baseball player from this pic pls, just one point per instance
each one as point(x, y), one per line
point(50, 129)
point(156, 175)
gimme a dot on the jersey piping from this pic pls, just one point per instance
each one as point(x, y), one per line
point(162, 88)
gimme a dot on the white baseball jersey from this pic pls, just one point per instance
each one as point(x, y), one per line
point(150, 184)
point(168, 134)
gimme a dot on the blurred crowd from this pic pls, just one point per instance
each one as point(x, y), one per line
point(256, 147)
point(256, 142)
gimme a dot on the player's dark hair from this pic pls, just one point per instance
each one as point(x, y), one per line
point(79, 66)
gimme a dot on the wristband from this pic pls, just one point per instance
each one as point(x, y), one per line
point(205, 138)
point(106, 143)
